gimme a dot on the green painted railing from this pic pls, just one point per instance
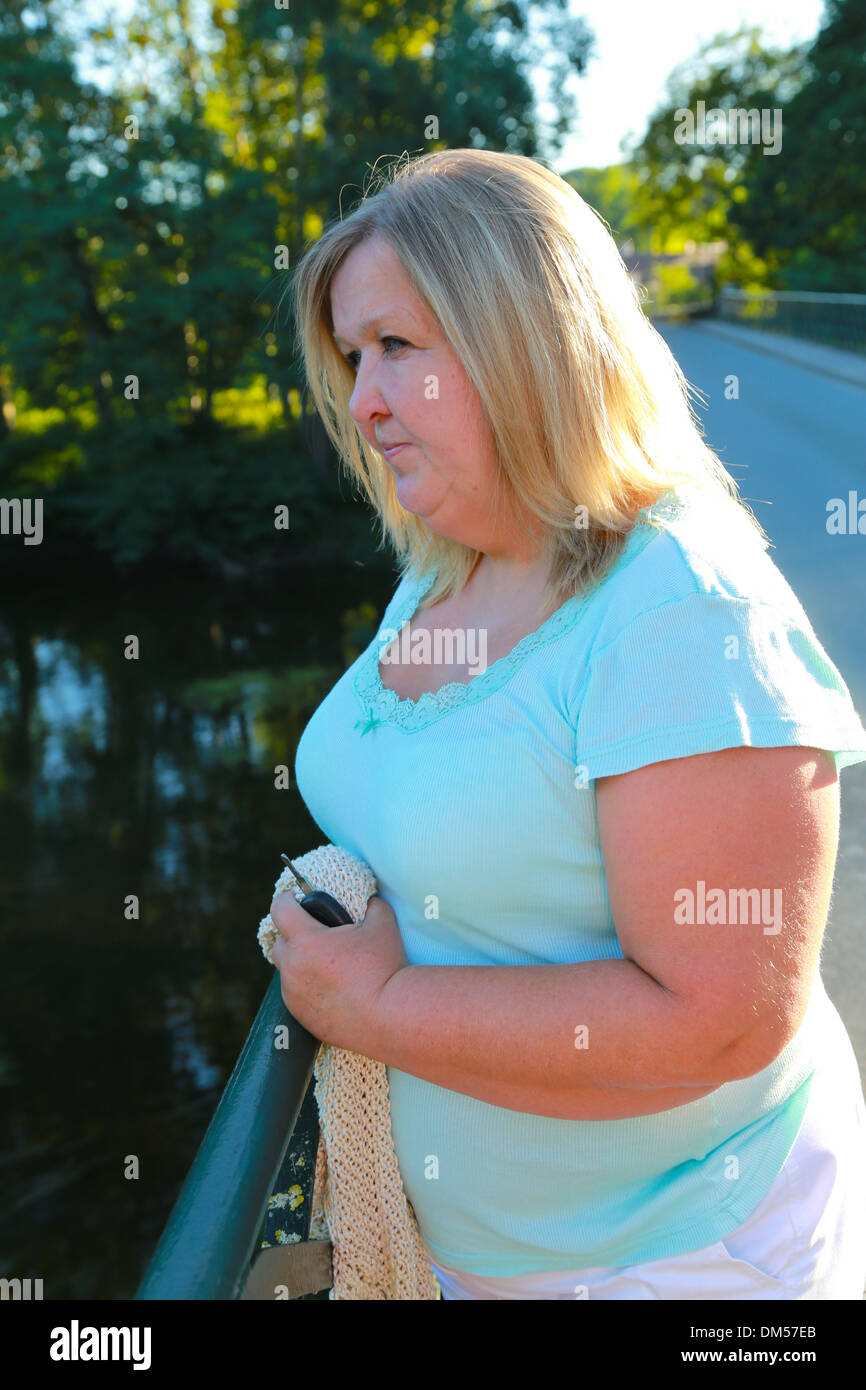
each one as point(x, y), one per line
point(206, 1248)
point(836, 320)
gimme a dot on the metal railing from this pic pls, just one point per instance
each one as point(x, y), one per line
point(836, 320)
point(207, 1245)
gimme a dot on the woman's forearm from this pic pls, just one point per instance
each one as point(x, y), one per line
point(593, 1041)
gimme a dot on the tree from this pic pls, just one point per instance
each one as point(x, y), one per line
point(688, 187)
point(805, 205)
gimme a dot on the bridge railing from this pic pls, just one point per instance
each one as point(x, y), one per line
point(206, 1248)
point(836, 320)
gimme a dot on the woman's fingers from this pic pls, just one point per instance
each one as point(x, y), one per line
point(290, 919)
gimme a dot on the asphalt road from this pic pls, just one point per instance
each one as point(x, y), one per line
point(793, 439)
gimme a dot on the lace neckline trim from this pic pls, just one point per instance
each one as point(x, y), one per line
point(383, 706)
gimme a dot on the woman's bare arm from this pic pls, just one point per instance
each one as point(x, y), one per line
point(693, 1004)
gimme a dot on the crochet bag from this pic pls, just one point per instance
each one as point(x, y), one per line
point(358, 1200)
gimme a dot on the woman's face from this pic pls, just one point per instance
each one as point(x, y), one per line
point(410, 387)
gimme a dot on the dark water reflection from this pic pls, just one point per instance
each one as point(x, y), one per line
point(156, 778)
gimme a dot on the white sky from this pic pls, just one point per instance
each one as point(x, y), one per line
point(639, 42)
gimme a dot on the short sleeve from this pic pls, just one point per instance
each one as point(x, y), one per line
point(706, 672)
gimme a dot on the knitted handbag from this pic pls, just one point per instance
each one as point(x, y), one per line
point(358, 1200)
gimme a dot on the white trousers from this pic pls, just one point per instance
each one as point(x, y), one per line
point(805, 1240)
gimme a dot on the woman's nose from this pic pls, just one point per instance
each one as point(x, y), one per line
point(366, 400)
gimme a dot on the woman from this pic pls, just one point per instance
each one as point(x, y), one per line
point(592, 758)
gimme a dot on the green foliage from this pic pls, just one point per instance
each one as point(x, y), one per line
point(203, 494)
point(359, 626)
point(675, 285)
point(790, 219)
point(688, 189)
point(804, 206)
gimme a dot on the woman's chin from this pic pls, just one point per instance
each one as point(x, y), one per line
point(411, 496)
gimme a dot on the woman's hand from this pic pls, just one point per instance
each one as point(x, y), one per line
point(332, 976)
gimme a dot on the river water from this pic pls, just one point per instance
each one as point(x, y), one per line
point(153, 779)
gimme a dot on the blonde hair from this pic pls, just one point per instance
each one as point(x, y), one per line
point(585, 402)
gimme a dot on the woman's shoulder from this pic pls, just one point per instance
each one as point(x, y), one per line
point(700, 546)
point(701, 644)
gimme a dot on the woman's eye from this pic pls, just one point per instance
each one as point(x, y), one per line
point(352, 357)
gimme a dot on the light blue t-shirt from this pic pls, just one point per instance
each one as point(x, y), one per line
point(478, 801)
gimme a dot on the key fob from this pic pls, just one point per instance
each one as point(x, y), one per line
point(325, 909)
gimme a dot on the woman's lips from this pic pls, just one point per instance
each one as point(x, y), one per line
point(394, 451)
